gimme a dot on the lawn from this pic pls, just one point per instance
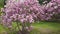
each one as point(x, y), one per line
point(46, 28)
point(40, 28)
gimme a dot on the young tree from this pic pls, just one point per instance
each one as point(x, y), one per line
point(20, 11)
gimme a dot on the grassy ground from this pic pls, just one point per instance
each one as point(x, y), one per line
point(46, 28)
point(41, 28)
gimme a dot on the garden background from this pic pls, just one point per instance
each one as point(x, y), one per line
point(41, 27)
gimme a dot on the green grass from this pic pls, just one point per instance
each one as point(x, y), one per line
point(46, 28)
point(41, 28)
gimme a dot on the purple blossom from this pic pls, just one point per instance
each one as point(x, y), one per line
point(24, 11)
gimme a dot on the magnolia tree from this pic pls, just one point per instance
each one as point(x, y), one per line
point(52, 9)
point(23, 12)
point(26, 12)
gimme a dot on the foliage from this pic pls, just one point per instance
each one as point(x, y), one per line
point(41, 1)
point(1, 3)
